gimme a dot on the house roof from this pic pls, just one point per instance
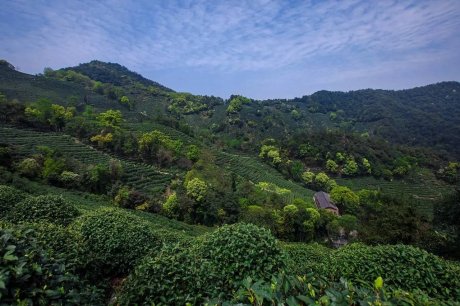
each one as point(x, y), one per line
point(323, 200)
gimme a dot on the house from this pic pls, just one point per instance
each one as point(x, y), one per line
point(322, 200)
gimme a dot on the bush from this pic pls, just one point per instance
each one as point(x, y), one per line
point(9, 198)
point(173, 277)
point(48, 208)
point(29, 167)
point(30, 275)
point(401, 266)
point(307, 258)
point(211, 268)
point(238, 251)
point(313, 290)
point(58, 240)
point(114, 241)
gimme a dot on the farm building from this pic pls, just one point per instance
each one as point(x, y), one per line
point(322, 200)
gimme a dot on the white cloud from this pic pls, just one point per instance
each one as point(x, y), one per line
point(229, 36)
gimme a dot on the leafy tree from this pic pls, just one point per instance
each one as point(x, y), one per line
point(193, 153)
point(308, 177)
point(171, 206)
point(197, 189)
point(350, 168)
point(332, 166)
point(367, 166)
point(110, 119)
point(29, 167)
point(346, 199)
point(271, 153)
point(236, 103)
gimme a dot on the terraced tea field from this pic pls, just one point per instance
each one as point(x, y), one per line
point(141, 176)
point(422, 188)
point(256, 171)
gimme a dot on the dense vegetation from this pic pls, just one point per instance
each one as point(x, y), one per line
point(117, 190)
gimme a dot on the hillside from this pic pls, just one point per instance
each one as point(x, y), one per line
point(125, 192)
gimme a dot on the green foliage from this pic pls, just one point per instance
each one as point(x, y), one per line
point(308, 258)
point(193, 153)
point(272, 188)
point(114, 241)
point(29, 167)
point(308, 177)
point(110, 119)
point(236, 103)
point(197, 189)
point(212, 268)
point(52, 168)
point(332, 166)
point(48, 208)
point(316, 290)
point(350, 168)
point(270, 153)
point(171, 205)
point(402, 267)
point(9, 198)
point(30, 274)
point(346, 199)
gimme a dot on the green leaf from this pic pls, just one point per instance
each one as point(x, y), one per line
point(378, 283)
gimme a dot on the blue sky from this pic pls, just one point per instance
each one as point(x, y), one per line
point(258, 48)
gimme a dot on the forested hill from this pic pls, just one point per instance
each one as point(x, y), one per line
point(427, 116)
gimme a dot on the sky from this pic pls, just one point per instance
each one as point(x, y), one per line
point(257, 48)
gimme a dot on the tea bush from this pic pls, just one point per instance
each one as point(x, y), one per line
point(237, 251)
point(212, 267)
point(312, 290)
point(174, 277)
point(308, 258)
point(48, 208)
point(401, 266)
point(57, 239)
point(30, 275)
point(115, 240)
point(9, 197)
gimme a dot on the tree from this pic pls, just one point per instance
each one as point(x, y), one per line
point(351, 167)
point(308, 177)
point(346, 199)
point(110, 119)
point(331, 166)
point(196, 189)
point(367, 166)
point(271, 153)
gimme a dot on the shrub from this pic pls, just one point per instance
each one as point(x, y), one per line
point(58, 240)
point(48, 208)
point(29, 167)
point(313, 290)
point(307, 258)
point(30, 275)
point(238, 251)
point(401, 266)
point(9, 198)
point(212, 267)
point(173, 277)
point(114, 240)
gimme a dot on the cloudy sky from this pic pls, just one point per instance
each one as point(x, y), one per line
point(258, 48)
